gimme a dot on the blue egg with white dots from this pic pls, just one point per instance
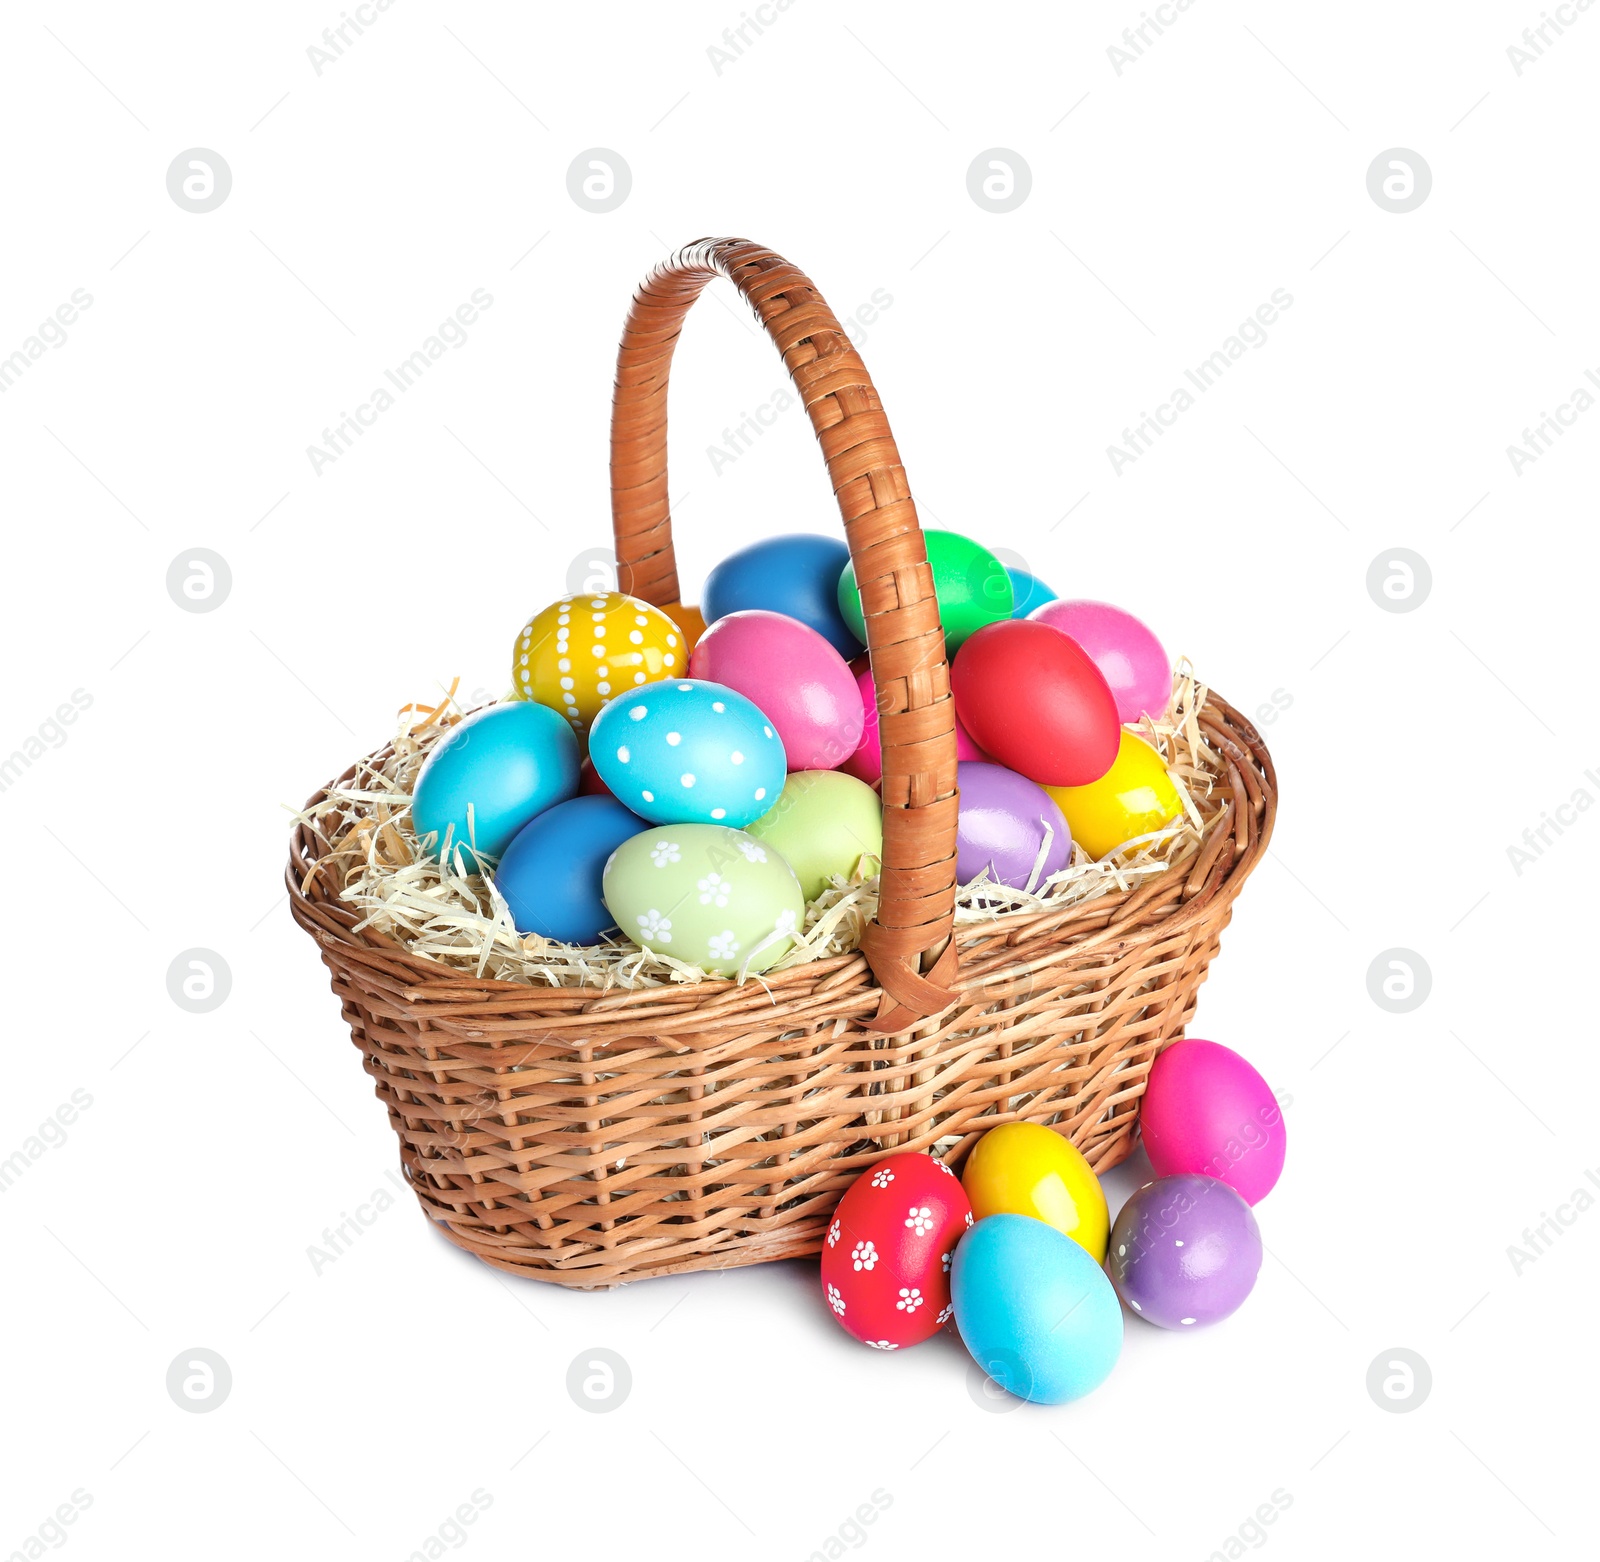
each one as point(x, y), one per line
point(687, 751)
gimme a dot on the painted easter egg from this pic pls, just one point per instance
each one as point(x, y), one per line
point(502, 766)
point(581, 651)
point(689, 620)
point(970, 582)
point(824, 823)
point(589, 782)
point(796, 575)
point(1037, 1312)
point(705, 894)
point(866, 764)
point(1036, 703)
point(1029, 591)
point(794, 675)
point(1206, 1110)
point(1134, 797)
point(687, 752)
point(550, 873)
point(1001, 827)
point(1185, 1252)
point(1123, 648)
point(887, 1255)
point(1028, 1169)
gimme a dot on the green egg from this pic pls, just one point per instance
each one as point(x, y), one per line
point(705, 894)
point(824, 822)
point(971, 584)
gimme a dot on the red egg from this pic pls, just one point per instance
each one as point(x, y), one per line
point(589, 782)
point(886, 1258)
point(1036, 703)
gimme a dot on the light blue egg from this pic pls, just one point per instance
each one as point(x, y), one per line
point(1036, 1311)
point(506, 763)
point(1029, 590)
point(686, 751)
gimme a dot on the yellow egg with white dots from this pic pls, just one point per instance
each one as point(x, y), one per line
point(583, 650)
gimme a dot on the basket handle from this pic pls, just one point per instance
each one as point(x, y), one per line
point(909, 944)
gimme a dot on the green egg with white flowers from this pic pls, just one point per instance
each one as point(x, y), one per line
point(706, 894)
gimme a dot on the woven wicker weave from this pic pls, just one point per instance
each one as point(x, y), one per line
point(591, 1137)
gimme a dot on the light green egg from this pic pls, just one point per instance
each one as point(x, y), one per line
point(705, 894)
point(824, 822)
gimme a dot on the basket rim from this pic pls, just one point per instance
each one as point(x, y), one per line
point(1107, 919)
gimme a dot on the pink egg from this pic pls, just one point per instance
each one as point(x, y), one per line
point(1206, 1110)
point(1126, 652)
point(802, 685)
point(866, 764)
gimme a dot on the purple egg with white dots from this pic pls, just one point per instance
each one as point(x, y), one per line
point(687, 751)
point(1184, 1251)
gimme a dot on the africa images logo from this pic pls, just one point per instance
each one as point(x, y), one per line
point(450, 333)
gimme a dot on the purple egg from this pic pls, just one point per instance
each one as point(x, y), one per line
point(1184, 1251)
point(1001, 826)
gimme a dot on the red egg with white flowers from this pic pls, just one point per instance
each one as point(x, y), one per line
point(886, 1257)
point(1036, 704)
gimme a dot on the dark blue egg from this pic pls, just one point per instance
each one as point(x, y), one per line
point(550, 873)
point(797, 575)
point(1029, 590)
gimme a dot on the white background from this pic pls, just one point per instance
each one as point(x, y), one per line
point(1167, 202)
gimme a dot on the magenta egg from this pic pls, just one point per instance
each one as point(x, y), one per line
point(1207, 1111)
point(866, 764)
point(1185, 1252)
point(1128, 655)
point(1001, 826)
point(802, 685)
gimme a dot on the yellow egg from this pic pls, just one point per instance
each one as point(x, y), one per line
point(1028, 1169)
point(583, 650)
point(1134, 797)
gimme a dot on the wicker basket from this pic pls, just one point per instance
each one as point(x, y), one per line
point(591, 1137)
